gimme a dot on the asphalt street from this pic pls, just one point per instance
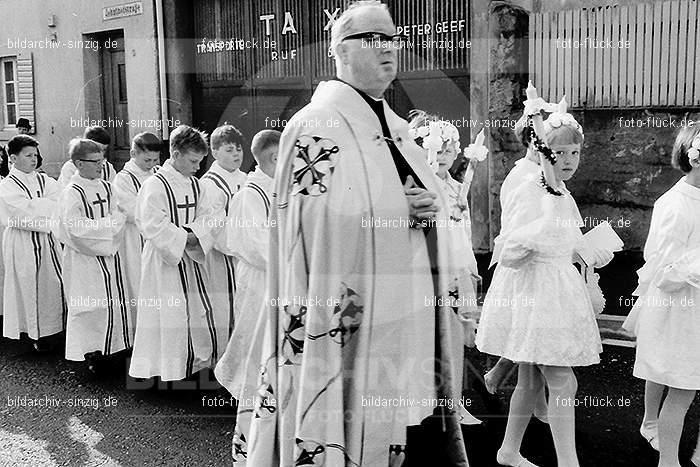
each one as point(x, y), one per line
point(55, 413)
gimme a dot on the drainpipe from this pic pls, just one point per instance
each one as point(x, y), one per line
point(162, 76)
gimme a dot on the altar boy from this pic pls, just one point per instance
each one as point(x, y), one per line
point(101, 137)
point(219, 184)
point(175, 329)
point(92, 229)
point(145, 155)
point(33, 296)
point(247, 237)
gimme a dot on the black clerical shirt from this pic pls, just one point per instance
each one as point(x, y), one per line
point(402, 166)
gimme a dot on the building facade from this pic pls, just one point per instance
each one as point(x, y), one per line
point(67, 64)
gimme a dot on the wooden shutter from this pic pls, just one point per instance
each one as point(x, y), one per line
point(25, 88)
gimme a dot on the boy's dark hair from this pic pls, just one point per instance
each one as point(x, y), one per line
point(97, 134)
point(226, 134)
point(185, 138)
point(146, 142)
point(263, 140)
point(19, 142)
point(4, 163)
point(684, 140)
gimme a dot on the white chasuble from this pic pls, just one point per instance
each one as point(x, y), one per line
point(33, 297)
point(99, 306)
point(175, 330)
point(351, 307)
point(127, 184)
point(218, 188)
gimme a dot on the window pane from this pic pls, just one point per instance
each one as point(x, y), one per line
point(10, 93)
point(9, 71)
point(11, 114)
point(121, 69)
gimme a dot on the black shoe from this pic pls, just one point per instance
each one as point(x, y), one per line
point(92, 359)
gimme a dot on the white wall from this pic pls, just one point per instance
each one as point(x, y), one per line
point(61, 75)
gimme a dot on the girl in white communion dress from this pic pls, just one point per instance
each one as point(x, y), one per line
point(537, 311)
point(666, 316)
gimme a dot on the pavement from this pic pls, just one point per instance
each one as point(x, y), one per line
point(56, 413)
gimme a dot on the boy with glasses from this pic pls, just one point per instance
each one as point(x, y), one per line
point(100, 136)
point(92, 229)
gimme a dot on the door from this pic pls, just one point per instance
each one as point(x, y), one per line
point(115, 101)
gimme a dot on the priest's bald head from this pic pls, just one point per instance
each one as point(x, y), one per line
point(362, 40)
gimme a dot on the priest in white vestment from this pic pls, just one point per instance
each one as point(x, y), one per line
point(221, 182)
point(145, 155)
point(92, 230)
point(357, 313)
point(33, 286)
point(175, 331)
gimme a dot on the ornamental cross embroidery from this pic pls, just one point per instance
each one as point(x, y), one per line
point(308, 451)
point(313, 164)
point(186, 206)
point(101, 202)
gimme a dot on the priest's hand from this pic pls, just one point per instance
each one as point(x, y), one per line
point(421, 202)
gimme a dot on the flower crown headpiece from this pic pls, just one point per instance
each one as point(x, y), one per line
point(432, 135)
point(694, 151)
point(560, 117)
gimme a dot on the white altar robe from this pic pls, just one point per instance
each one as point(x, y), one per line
point(218, 188)
point(247, 237)
point(175, 332)
point(126, 185)
point(33, 286)
point(99, 306)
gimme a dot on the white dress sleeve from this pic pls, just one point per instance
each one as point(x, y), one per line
point(670, 263)
point(531, 223)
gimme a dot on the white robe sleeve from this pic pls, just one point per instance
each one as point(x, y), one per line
point(125, 196)
point(17, 210)
point(67, 172)
point(153, 221)
point(91, 237)
point(211, 213)
point(247, 229)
